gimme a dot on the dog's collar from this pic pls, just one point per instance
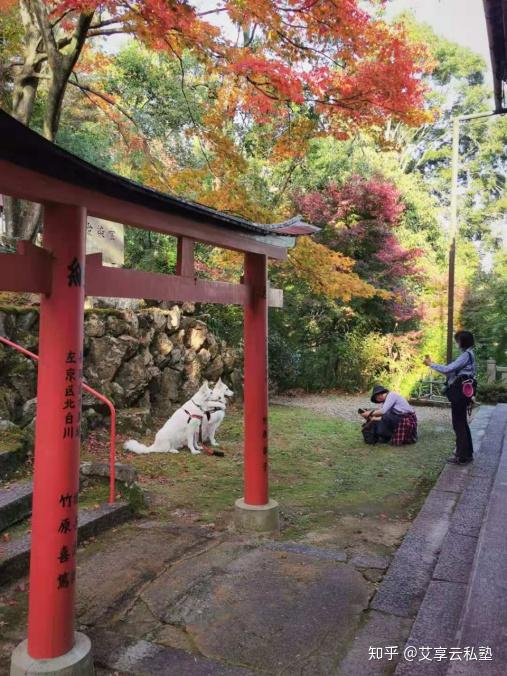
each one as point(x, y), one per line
point(215, 401)
point(199, 407)
point(215, 409)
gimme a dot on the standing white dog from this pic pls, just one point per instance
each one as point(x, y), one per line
point(181, 429)
point(214, 412)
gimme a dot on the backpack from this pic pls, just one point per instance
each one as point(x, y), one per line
point(369, 431)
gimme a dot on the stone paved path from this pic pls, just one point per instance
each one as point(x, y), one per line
point(159, 599)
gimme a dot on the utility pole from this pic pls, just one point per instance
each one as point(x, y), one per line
point(453, 227)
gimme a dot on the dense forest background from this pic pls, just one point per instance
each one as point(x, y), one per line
point(366, 297)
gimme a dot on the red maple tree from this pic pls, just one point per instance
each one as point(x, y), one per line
point(360, 220)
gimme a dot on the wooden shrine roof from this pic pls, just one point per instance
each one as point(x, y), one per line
point(33, 168)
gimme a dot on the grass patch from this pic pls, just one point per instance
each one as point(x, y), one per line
point(319, 468)
point(93, 493)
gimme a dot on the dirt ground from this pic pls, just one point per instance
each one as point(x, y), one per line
point(344, 406)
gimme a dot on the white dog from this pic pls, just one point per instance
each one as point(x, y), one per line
point(181, 429)
point(214, 412)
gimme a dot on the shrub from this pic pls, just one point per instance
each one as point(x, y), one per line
point(361, 360)
point(492, 393)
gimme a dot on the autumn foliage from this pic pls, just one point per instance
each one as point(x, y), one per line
point(301, 67)
point(359, 221)
point(335, 58)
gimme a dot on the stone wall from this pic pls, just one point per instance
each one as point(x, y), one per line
point(147, 361)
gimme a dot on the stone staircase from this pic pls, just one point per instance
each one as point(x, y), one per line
point(16, 505)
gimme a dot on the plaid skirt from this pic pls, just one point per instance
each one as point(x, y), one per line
point(406, 431)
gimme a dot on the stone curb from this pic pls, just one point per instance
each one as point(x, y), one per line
point(438, 617)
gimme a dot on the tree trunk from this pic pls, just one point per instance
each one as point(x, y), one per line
point(22, 218)
point(41, 48)
point(26, 80)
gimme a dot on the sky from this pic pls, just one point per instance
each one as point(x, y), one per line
point(458, 20)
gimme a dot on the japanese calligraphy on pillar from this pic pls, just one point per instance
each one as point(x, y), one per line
point(74, 277)
point(72, 397)
point(68, 501)
point(67, 528)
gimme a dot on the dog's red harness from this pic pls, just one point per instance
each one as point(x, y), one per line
point(193, 416)
point(196, 416)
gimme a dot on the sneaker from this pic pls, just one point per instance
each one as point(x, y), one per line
point(454, 460)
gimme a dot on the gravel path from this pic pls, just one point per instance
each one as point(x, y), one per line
point(345, 406)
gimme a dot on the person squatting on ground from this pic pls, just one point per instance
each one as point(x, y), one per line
point(395, 421)
point(460, 388)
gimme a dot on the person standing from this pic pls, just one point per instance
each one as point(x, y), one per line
point(461, 370)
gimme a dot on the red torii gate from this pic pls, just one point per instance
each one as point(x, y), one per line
point(31, 168)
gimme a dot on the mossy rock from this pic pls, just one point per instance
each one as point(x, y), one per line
point(27, 321)
point(7, 403)
point(12, 440)
point(17, 310)
point(22, 376)
point(14, 445)
point(115, 312)
point(27, 339)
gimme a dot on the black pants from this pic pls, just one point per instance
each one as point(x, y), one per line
point(387, 425)
point(459, 404)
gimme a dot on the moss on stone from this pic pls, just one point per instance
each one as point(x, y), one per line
point(104, 311)
point(7, 401)
point(12, 441)
point(18, 310)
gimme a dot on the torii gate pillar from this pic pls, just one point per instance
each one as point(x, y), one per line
point(255, 511)
point(53, 647)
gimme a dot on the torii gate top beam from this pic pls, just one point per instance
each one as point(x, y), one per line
point(32, 168)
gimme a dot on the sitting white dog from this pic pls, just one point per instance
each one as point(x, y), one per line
point(181, 429)
point(214, 412)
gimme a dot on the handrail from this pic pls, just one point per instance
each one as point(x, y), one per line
point(97, 395)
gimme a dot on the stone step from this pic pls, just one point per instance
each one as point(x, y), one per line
point(405, 584)
point(15, 503)
point(439, 614)
point(15, 554)
point(483, 623)
point(122, 655)
point(16, 498)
